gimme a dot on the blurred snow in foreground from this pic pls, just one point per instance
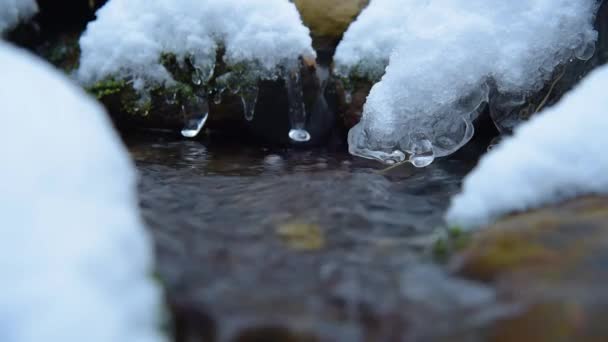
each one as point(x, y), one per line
point(14, 11)
point(559, 154)
point(75, 259)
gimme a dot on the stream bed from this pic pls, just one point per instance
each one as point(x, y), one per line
point(282, 244)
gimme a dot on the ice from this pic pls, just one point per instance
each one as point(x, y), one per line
point(76, 261)
point(297, 109)
point(447, 57)
point(249, 98)
point(129, 36)
point(193, 127)
point(557, 155)
point(14, 11)
point(196, 112)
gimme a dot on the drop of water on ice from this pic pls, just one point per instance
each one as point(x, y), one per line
point(194, 126)
point(299, 135)
point(297, 110)
point(586, 51)
point(422, 152)
point(197, 77)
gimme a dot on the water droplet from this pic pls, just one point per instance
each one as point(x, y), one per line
point(217, 98)
point(422, 153)
point(297, 110)
point(348, 97)
point(299, 135)
point(194, 126)
point(585, 52)
point(197, 77)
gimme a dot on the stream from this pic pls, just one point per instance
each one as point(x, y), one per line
point(282, 244)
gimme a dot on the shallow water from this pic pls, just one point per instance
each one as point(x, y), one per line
point(316, 241)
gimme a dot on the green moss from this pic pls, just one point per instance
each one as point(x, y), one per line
point(107, 87)
point(441, 249)
point(456, 239)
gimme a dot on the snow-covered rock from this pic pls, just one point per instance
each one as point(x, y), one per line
point(367, 45)
point(75, 258)
point(446, 57)
point(559, 154)
point(14, 11)
point(129, 37)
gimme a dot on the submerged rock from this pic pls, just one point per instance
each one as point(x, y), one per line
point(551, 263)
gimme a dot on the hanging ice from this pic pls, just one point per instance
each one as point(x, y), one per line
point(193, 127)
point(14, 11)
point(196, 113)
point(297, 110)
point(447, 56)
point(76, 261)
point(249, 98)
point(558, 154)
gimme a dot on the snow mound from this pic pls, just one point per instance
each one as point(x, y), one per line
point(367, 45)
point(76, 261)
point(129, 37)
point(449, 54)
point(14, 11)
point(559, 154)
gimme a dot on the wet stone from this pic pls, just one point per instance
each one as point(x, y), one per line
point(552, 263)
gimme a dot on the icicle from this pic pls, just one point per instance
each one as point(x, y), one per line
point(249, 98)
point(297, 111)
point(196, 114)
point(194, 126)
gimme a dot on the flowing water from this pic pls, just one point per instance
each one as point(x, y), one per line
point(266, 244)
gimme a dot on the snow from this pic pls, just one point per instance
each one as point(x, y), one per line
point(559, 154)
point(75, 258)
point(369, 41)
point(447, 57)
point(129, 36)
point(14, 11)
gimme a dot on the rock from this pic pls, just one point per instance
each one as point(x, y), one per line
point(169, 107)
point(552, 263)
point(329, 19)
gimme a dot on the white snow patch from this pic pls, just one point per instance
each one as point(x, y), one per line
point(557, 155)
point(129, 36)
point(369, 41)
point(14, 11)
point(75, 258)
point(444, 57)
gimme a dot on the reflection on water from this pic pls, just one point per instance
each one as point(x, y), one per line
point(225, 218)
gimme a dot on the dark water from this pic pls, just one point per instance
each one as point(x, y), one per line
point(265, 244)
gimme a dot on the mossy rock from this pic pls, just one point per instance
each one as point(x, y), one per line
point(552, 263)
point(168, 107)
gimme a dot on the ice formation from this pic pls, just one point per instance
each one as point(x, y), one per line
point(75, 258)
point(449, 55)
point(559, 154)
point(260, 39)
point(14, 11)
